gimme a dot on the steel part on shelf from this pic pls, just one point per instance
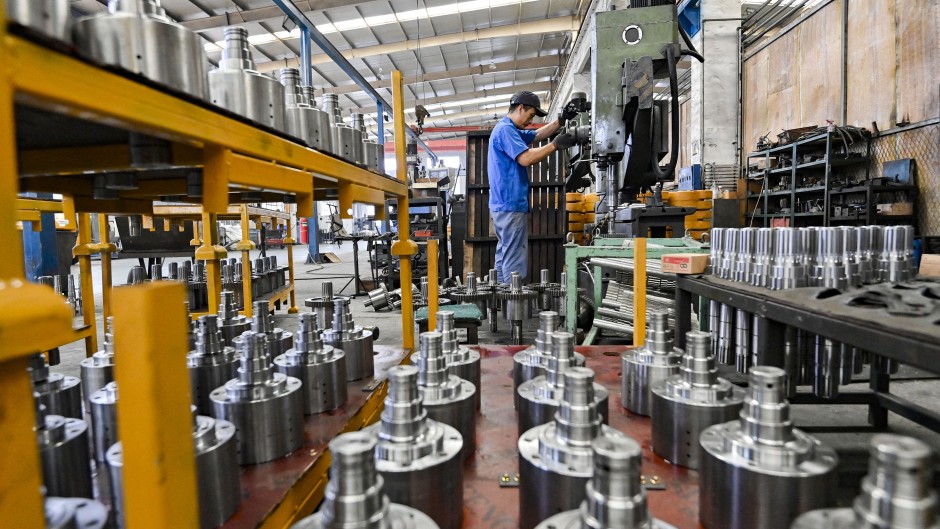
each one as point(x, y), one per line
point(744, 256)
point(533, 361)
point(742, 460)
point(716, 250)
point(346, 140)
point(725, 342)
point(827, 368)
point(616, 310)
point(138, 36)
point(517, 304)
point(763, 258)
point(324, 305)
point(266, 407)
point(70, 513)
point(236, 86)
point(355, 495)
point(262, 322)
point(687, 403)
point(217, 472)
point(352, 339)
point(103, 413)
point(211, 364)
point(469, 293)
point(461, 360)
point(231, 282)
point(555, 459)
point(742, 340)
point(447, 398)
point(321, 136)
point(614, 495)
point(298, 113)
point(646, 366)
point(136, 275)
point(50, 17)
point(59, 394)
point(98, 369)
point(788, 269)
point(729, 253)
point(231, 324)
point(895, 262)
point(321, 368)
point(419, 459)
point(895, 492)
point(538, 398)
point(63, 451)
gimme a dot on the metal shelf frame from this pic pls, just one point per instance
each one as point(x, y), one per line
point(233, 156)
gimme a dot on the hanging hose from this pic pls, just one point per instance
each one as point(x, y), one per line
point(674, 133)
point(693, 53)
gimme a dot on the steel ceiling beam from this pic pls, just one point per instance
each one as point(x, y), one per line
point(255, 15)
point(541, 86)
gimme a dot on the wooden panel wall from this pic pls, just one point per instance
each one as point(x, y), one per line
point(919, 46)
point(872, 62)
point(820, 64)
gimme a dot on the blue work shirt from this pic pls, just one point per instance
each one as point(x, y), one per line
point(509, 180)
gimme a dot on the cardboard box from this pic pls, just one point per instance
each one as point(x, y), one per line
point(896, 209)
point(929, 265)
point(685, 263)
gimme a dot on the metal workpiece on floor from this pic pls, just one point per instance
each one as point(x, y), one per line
point(49, 17)
point(63, 452)
point(555, 459)
point(211, 363)
point(744, 257)
point(378, 299)
point(418, 458)
point(263, 322)
point(545, 288)
point(533, 361)
point(742, 460)
point(321, 368)
point(353, 340)
point(69, 513)
point(687, 403)
point(98, 369)
point(230, 323)
point(447, 398)
point(644, 367)
point(517, 304)
point(355, 495)
point(236, 86)
point(103, 413)
point(59, 394)
point(538, 399)
point(788, 270)
point(266, 407)
point(323, 305)
point(614, 495)
point(895, 264)
point(461, 360)
point(763, 257)
point(894, 494)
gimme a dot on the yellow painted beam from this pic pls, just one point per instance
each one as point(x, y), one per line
point(68, 211)
point(433, 284)
point(289, 242)
point(95, 159)
point(154, 418)
point(32, 204)
point(404, 248)
point(639, 291)
point(106, 248)
point(29, 216)
point(352, 193)
point(86, 204)
point(83, 250)
point(211, 253)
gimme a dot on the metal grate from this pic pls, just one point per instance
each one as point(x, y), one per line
point(726, 176)
point(923, 145)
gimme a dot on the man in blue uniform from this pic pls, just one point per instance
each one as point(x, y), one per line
point(508, 160)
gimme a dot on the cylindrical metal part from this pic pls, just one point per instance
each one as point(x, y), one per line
point(103, 412)
point(789, 268)
point(646, 366)
point(321, 368)
point(320, 135)
point(461, 360)
point(760, 452)
point(50, 17)
point(725, 334)
point(747, 243)
point(532, 362)
point(353, 340)
point(69, 513)
point(211, 364)
point(447, 398)
point(237, 87)
point(828, 368)
point(687, 403)
point(63, 452)
point(231, 324)
point(98, 369)
point(263, 322)
point(59, 394)
point(265, 407)
point(742, 340)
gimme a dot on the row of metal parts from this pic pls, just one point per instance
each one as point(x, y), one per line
point(137, 36)
point(756, 470)
point(840, 257)
point(66, 286)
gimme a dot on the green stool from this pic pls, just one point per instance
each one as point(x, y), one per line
point(466, 316)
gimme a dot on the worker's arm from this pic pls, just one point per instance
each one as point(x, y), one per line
point(546, 130)
point(535, 154)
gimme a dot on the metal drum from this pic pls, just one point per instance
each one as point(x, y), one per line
point(321, 368)
point(418, 458)
point(320, 134)
point(63, 451)
point(461, 360)
point(103, 412)
point(262, 322)
point(236, 86)
point(352, 339)
point(447, 398)
point(68, 513)
point(762, 462)
point(532, 362)
point(98, 369)
point(646, 366)
point(230, 322)
point(59, 394)
point(50, 17)
point(555, 459)
point(211, 364)
point(265, 407)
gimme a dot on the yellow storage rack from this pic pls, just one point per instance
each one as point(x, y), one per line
point(232, 156)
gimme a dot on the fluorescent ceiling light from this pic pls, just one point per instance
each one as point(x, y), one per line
point(491, 102)
point(381, 20)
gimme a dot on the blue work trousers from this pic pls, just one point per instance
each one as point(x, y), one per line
point(512, 248)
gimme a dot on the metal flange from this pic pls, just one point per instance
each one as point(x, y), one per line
point(60, 394)
point(352, 339)
point(646, 366)
point(211, 364)
point(63, 451)
point(533, 361)
point(321, 368)
point(447, 398)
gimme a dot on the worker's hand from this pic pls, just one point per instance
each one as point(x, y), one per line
point(569, 112)
point(563, 141)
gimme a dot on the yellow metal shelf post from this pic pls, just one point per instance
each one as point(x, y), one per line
point(106, 247)
point(245, 246)
point(639, 291)
point(404, 248)
point(432, 283)
point(289, 242)
point(212, 253)
point(83, 250)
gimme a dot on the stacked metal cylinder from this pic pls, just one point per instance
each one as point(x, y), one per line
point(211, 364)
point(236, 85)
point(895, 493)
point(355, 495)
point(68, 513)
point(540, 397)
point(63, 452)
point(303, 119)
point(447, 398)
point(418, 458)
point(614, 495)
point(67, 287)
point(516, 306)
point(103, 413)
point(461, 360)
point(50, 17)
point(555, 460)
point(761, 461)
point(266, 407)
point(321, 368)
point(59, 394)
point(533, 361)
point(98, 369)
point(352, 339)
point(373, 154)
point(230, 323)
point(262, 322)
point(649, 365)
point(685, 404)
point(347, 140)
point(266, 277)
point(547, 291)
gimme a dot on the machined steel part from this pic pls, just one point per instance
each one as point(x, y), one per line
point(321, 368)
point(355, 495)
point(763, 257)
point(715, 250)
point(138, 36)
point(687, 403)
point(70, 513)
point(461, 360)
point(729, 253)
point(230, 323)
point(352, 339)
point(379, 299)
point(136, 275)
point(217, 472)
point(895, 262)
point(744, 257)
point(59, 394)
point(211, 364)
point(850, 236)
point(323, 305)
point(828, 368)
point(447, 398)
point(789, 269)
point(614, 496)
point(725, 342)
point(266, 407)
point(98, 369)
point(533, 361)
point(644, 367)
point(555, 459)
point(103, 413)
point(63, 452)
point(865, 253)
point(895, 492)
point(418, 458)
point(760, 452)
point(544, 287)
point(830, 270)
point(320, 135)
point(236, 86)
point(49, 17)
point(470, 294)
point(742, 340)
point(299, 114)
point(517, 300)
point(263, 322)
point(538, 398)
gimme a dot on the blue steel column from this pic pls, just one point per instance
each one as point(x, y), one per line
point(40, 250)
point(306, 79)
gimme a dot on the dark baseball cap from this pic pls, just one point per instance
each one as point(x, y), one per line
point(524, 97)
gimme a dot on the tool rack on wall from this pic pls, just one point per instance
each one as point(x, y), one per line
point(64, 120)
